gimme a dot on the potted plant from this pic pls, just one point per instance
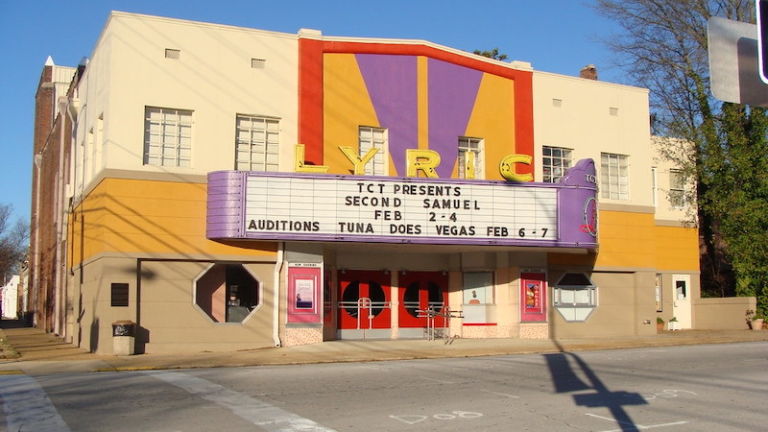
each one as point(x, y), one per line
point(673, 324)
point(755, 319)
point(659, 324)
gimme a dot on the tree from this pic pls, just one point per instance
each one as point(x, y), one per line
point(13, 241)
point(494, 54)
point(663, 46)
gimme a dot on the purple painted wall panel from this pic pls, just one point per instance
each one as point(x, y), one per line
point(391, 84)
point(452, 93)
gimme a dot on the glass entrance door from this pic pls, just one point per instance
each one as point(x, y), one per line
point(420, 291)
point(364, 302)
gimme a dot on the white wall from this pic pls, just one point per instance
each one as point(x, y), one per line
point(10, 298)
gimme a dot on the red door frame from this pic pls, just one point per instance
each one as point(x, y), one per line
point(348, 309)
point(422, 279)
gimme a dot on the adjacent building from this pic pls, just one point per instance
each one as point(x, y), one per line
point(232, 188)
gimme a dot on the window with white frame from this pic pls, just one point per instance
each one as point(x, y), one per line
point(371, 137)
point(556, 161)
point(167, 137)
point(257, 143)
point(676, 188)
point(614, 176)
point(471, 158)
point(575, 296)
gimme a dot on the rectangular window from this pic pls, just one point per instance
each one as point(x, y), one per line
point(614, 176)
point(257, 143)
point(659, 294)
point(371, 137)
point(471, 158)
point(556, 162)
point(676, 188)
point(167, 137)
point(478, 288)
point(119, 295)
point(172, 53)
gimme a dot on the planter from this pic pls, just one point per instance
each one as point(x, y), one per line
point(757, 324)
point(674, 325)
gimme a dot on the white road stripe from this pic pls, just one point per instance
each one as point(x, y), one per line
point(27, 406)
point(637, 427)
point(253, 410)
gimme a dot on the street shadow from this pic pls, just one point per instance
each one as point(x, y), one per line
point(563, 367)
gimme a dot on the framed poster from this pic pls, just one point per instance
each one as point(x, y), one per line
point(304, 293)
point(533, 302)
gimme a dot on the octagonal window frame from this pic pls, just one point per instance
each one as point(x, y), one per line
point(575, 311)
point(209, 316)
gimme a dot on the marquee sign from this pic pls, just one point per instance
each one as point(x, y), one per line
point(292, 206)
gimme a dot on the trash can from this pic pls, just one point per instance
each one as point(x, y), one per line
point(123, 338)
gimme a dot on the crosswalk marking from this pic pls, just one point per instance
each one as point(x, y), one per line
point(27, 406)
point(253, 410)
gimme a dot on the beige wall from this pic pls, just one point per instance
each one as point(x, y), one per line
point(626, 306)
point(213, 77)
point(662, 150)
point(91, 314)
point(174, 322)
point(722, 313)
point(583, 122)
point(168, 314)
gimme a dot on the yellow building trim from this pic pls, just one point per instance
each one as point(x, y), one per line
point(422, 100)
point(153, 217)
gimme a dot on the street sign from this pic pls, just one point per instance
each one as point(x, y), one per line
point(762, 38)
point(733, 61)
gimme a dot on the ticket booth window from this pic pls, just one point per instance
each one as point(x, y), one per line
point(575, 297)
point(478, 288)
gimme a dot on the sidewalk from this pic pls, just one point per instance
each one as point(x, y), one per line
point(40, 353)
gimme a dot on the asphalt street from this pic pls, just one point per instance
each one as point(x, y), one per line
point(690, 388)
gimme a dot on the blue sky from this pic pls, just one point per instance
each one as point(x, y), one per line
point(559, 36)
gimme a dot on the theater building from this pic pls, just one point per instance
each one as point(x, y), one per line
point(232, 188)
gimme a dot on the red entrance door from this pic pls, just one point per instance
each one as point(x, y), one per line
point(364, 300)
point(420, 291)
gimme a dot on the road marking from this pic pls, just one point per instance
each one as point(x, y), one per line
point(453, 415)
point(253, 410)
point(511, 396)
point(634, 426)
point(27, 406)
point(438, 380)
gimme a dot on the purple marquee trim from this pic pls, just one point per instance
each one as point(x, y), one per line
point(226, 204)
point(576, 194)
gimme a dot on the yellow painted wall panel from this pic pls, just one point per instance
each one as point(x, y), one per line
point(633, 240)
point(677, 248)
point(346, 105)
point(492, 120)
point(154, 217)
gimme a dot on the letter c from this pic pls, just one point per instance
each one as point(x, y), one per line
point(507, 168)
